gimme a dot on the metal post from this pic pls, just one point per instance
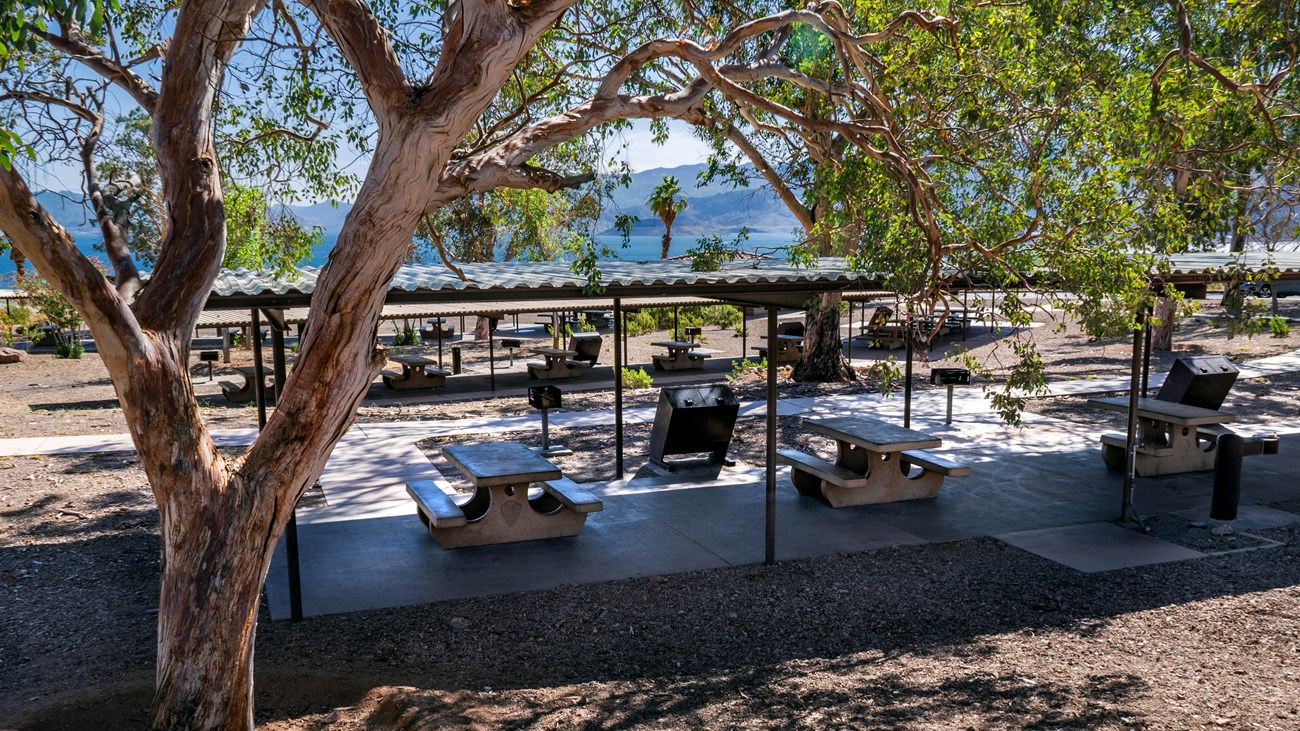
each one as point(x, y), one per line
point(492, 361)
point(1146, 352)
point(907, 375)
point(769, 545)
point(546, 431)
point(744, 331)
point(225, 344)
point(276, 321)
point(676, 311)
point(1130, 453)
point(259, 378)
point(949, 419)
point(439, 331)
point(619, 331)
point(1227, 476)
point(850, 334)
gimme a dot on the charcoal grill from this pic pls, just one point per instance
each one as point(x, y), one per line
point(1202, 380)
point(693, 420)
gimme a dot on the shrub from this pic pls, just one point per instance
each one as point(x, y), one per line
point(635, 379)
point(640, 323)
point(720, 315)
point(408, 335)
point(69, 346)
point(1278, 326)
point(745, 365)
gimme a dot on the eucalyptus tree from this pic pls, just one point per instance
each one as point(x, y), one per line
point(447, 101)
point(666, 201)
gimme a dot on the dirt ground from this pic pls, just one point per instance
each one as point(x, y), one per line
point(966, 635)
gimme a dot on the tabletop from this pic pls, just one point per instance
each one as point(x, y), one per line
point(872, 434)
point(791, 338)
point(1170, 411)
point(251, 372)
point(555, 352)
point(500, 463)
point(675, 344)
point(412, 360)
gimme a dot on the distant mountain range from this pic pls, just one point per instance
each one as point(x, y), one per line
point(712, 209)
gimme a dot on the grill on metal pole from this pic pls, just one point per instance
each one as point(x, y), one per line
point(769, 543)
point(618, 389)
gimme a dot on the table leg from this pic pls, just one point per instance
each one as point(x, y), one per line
point(890, 479)
point(504, 514)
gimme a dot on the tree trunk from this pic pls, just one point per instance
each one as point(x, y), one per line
point(667, 241)
point(823, 358)
point(1166, 311)
point(215, 560)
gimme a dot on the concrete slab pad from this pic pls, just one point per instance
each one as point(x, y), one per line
point(1095, 547)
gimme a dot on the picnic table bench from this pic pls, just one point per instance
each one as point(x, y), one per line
point(680, 356)
point(559, 363)
point(245, 392)
point(876, 462)
point(501, 509)
point(1172, 438)
point(417, 372)
point(788, 349)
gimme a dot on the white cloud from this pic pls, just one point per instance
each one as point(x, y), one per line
point(641, 153)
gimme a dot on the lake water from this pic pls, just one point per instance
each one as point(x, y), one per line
point(640, 248)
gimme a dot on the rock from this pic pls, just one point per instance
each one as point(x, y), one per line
point(459, 623)
point(1197, 524)
point(9, 355)
point(1223, 530)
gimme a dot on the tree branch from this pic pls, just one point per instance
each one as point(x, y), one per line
point(195, 241)
point(365, 45)
point(71, 45)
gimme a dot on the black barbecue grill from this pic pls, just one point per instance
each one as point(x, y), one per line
point(694, 419)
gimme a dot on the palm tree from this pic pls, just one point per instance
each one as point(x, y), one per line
point(665, 203)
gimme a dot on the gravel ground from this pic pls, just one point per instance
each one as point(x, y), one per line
point(972, 634)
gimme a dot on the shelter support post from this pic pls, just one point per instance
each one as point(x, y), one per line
point(907, 375)
point(1127, 511)
point(619, 351)
point(769, 543)
point(744, 331)
point(259, 374)
point(492, 362)
point(1146, 350)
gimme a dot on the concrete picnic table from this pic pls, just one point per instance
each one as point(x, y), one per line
point(559, 363)
point(787, 348)
point(501, 510)
point(1169, 436)
point(241, 393)
point(417, 372)
point(876, 462)
point(679, 357)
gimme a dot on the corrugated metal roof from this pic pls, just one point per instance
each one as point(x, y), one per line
point(298, 315)
point(544, 276)
point(1214, 265)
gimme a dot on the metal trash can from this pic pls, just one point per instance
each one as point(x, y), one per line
point(1202, 380)
point(694, 419)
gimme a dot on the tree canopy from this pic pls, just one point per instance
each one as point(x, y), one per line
point(1077, 140)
